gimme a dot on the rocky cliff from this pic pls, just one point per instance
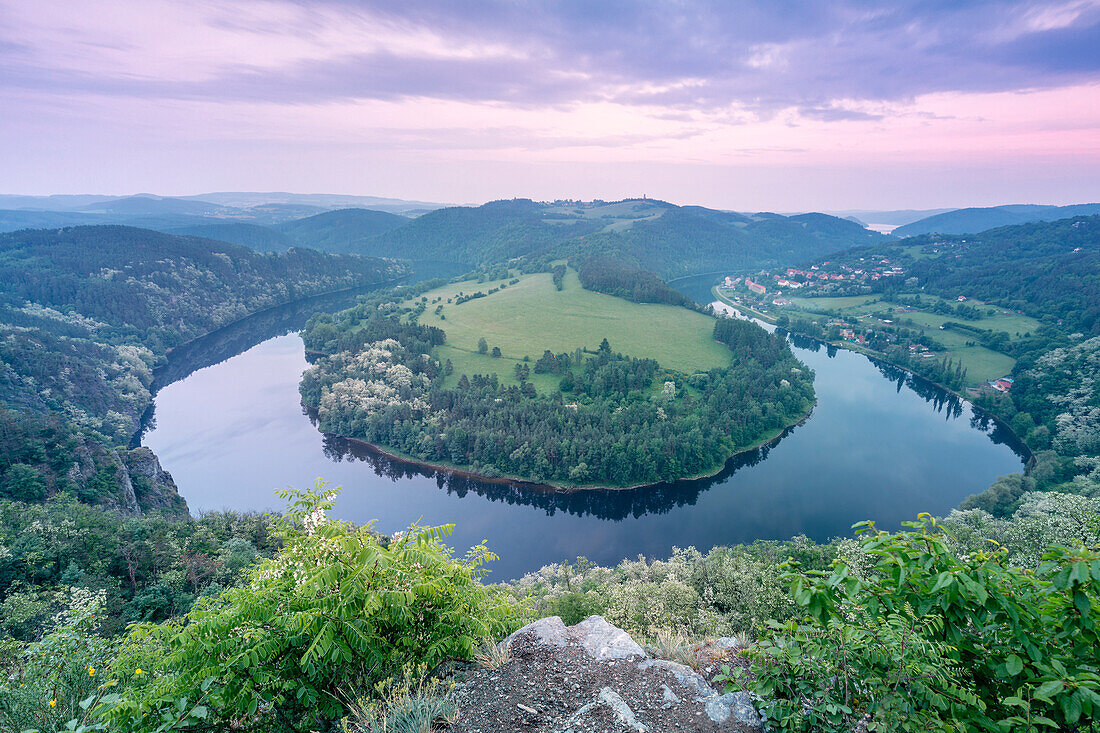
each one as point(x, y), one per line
point(139, 485)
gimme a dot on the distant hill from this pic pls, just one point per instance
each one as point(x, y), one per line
point(170, 213)
point(145, 205)
point(57, 202)
point(655, 235)
point(666, 239)
point(251, 199)
point(13, 219)
point(253, 236)
point(691, 240)
point(970, 221)
point(495, 232)
point(340, 231)
point(889, 217)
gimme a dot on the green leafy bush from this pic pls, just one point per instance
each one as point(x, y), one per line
point(928, 639)
point(338, 608)
point(55, 673)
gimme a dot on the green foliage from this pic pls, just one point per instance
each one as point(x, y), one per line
point(337, 608)
point(726, 591)
point(149, 568)
point(339, 231)
point(626, 280)
point(23, 483)
point(930, 639)
point(59, 670)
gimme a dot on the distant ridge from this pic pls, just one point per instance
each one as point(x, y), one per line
point(973, 220)
point(253, 236)
point(657, 236)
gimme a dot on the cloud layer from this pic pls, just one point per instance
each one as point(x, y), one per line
point(686, 82)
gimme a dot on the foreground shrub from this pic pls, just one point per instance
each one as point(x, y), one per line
point(337, 609)
point(931, 640)
point(57, 672)
point(727, 591)
point(412, 703)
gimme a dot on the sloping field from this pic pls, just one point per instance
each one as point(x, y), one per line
point(531, 316)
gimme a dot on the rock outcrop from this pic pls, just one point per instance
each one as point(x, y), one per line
point(589, 678)
point(154, 489)
point(144, 487)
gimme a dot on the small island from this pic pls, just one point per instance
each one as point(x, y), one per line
point(532, 377)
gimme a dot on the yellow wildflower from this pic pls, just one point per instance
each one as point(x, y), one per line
point(53, 703)
point(91, 671)
point(137, 671)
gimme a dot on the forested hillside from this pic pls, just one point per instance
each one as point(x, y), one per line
point(686, 241)
point(340, 231)
point(665, 239)
point(253, 236)
point(1050, 270)
point(492, 233)
point(87, 313)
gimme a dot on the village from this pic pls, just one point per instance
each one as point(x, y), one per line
point(841, 296)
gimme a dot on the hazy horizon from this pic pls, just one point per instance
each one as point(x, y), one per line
point(852, 210)
point(742, 106)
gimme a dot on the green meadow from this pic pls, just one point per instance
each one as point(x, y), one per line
point(531, 316)
point(981, 363)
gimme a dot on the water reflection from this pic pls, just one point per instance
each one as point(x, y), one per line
point(615, 505)
point(240, 336)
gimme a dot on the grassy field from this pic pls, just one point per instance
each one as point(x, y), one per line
point(1014, 324)
point(531, 316)
point(847, 301)
point(981, 363)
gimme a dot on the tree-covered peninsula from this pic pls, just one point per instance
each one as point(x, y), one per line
point(591, 390)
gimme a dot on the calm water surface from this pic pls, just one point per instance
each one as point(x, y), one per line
point(879, 445)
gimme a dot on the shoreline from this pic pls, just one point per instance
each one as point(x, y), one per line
point(266, 309)
point(876, 356)
point(546, 487)
point(135, 438)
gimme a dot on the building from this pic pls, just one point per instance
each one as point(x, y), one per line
point(754, 287)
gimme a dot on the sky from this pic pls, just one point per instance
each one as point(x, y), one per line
point(771, 105)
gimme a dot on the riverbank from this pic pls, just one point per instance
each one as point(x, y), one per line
point(296, 301)
point(451, 469)
point(877, 356)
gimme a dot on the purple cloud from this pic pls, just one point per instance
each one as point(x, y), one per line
point(691, 55)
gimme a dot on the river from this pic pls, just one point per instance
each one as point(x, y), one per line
point(880, 445)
